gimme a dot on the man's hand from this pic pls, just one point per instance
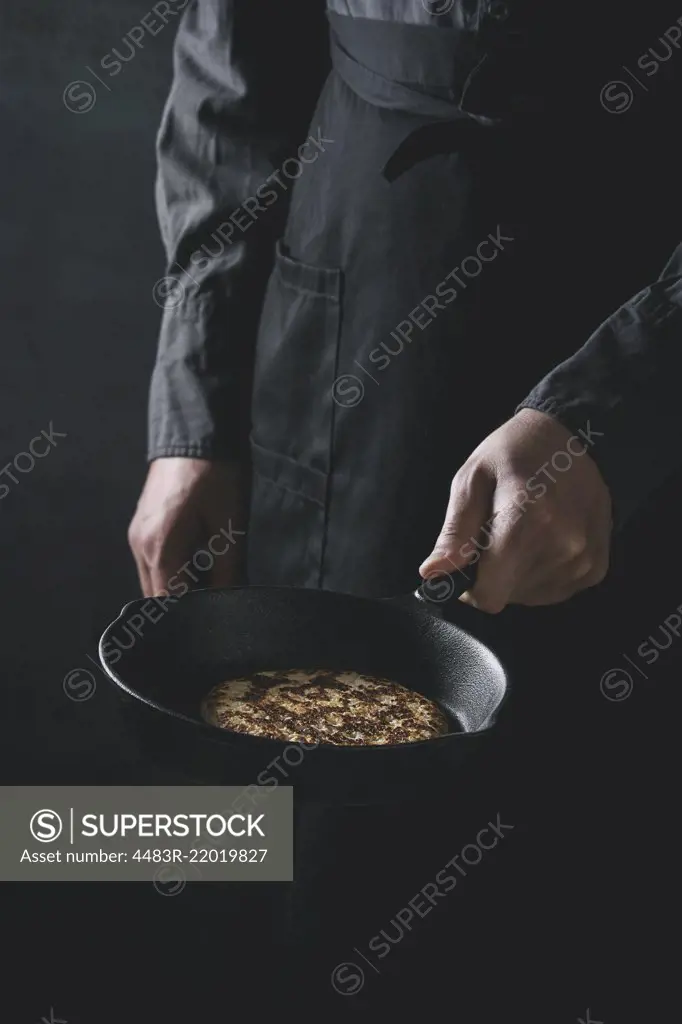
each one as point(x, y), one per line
point(188, 527)
point(531, 507)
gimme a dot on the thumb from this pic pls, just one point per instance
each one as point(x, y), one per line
point(471, 499)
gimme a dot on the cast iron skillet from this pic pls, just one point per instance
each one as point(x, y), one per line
point(164, 668)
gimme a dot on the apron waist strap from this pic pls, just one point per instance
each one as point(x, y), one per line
point(434, 73)
point(415, 69)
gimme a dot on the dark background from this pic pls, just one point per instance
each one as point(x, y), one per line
point(80, 254)
point(591, 877)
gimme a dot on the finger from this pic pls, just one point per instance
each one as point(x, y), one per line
point(550, 594)
point(470, 501)
point(567, 561)
point(550, 576)
point(531, 555)
point(162, 575)
point(140, 561)
point(173, 564)
point(505, 550)
point(144, 575)
point(175, 567)
point(564, 582)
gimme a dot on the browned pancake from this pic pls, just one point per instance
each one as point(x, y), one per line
point(322, 706)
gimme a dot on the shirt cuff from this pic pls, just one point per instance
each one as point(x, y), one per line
point(199, 399)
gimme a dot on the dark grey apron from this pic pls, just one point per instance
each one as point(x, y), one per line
point(435, 265)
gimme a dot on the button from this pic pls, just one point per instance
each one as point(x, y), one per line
point(498, 10)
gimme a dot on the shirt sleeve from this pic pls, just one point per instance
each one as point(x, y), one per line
point(247, 75)
point(621, 392)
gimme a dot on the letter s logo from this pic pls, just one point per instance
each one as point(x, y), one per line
point(46, 826)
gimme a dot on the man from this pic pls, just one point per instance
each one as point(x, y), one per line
point(388, 227)
point(452, 203)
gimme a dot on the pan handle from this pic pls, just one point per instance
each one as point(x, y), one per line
point(439, 591)
point(443, 587)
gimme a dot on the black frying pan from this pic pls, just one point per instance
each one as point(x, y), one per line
point(211, 635)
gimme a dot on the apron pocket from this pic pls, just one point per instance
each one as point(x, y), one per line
point(295, 364)
point(292, 421)
point(287, 523)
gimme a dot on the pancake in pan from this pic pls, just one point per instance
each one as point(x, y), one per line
point(323, 706)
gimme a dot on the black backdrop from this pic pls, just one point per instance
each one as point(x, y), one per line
point(79, 254)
